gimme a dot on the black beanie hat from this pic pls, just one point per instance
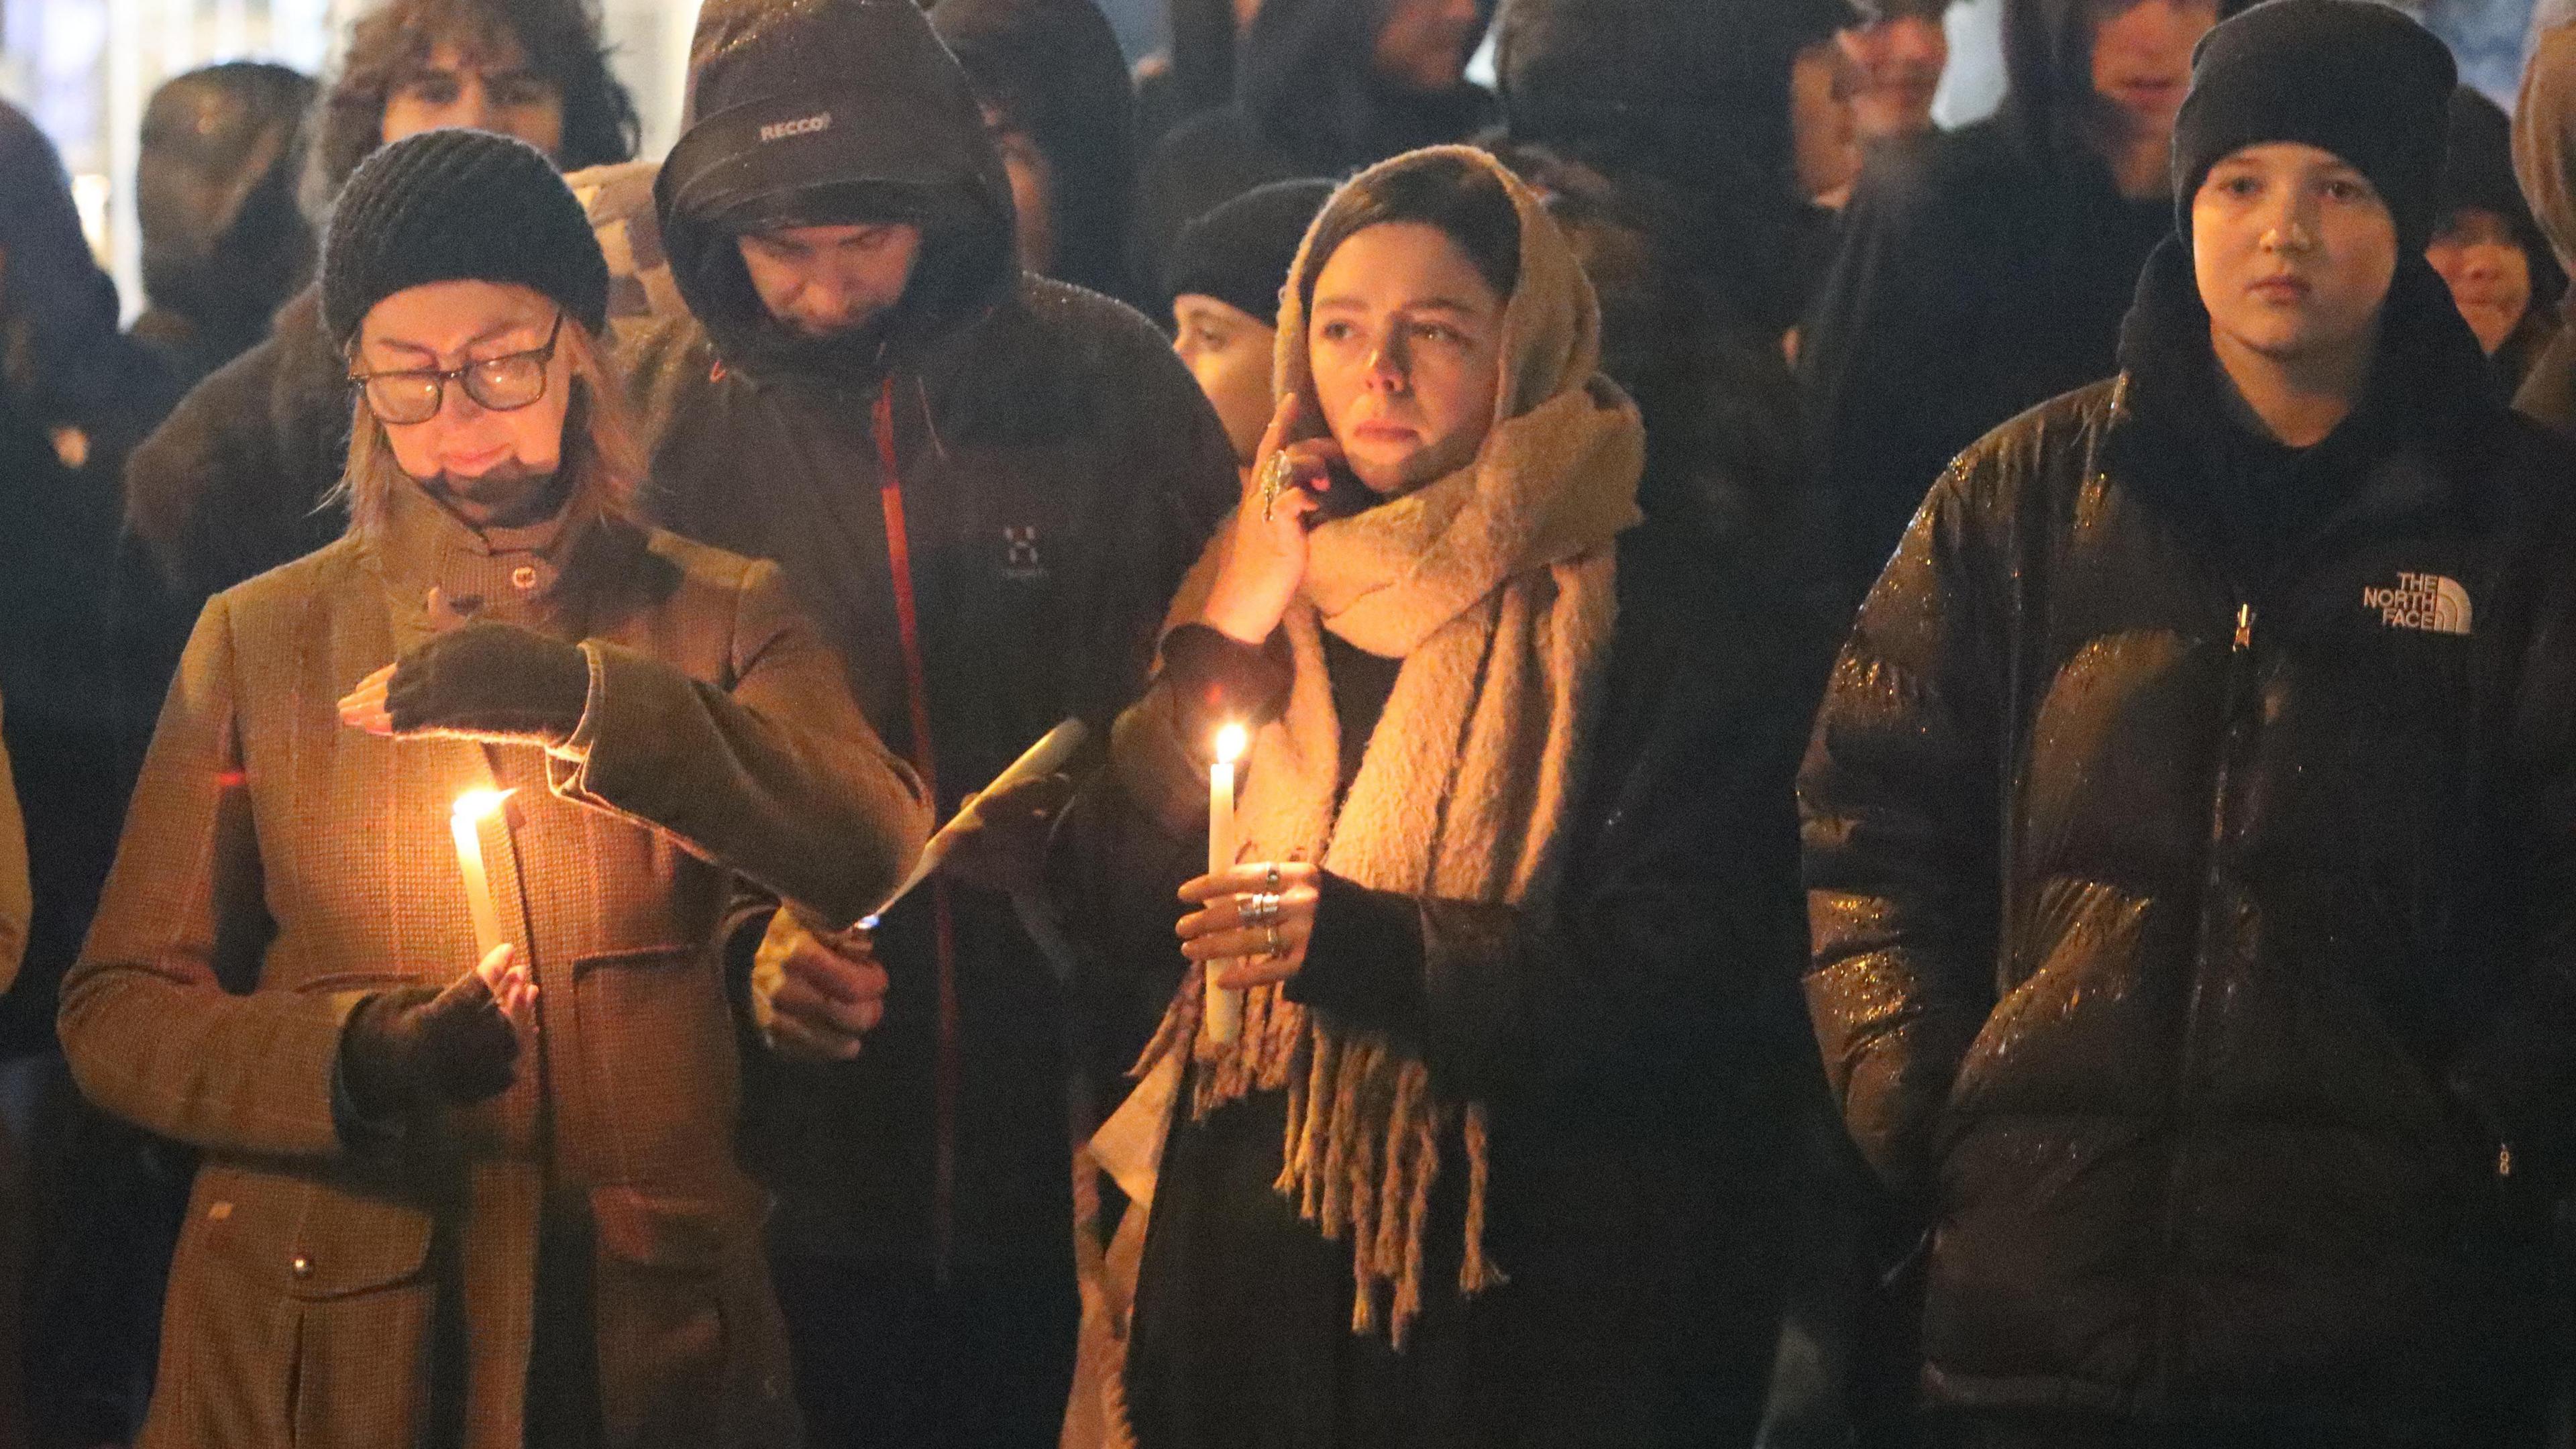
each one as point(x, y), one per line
point(456, 205)
point(2352, 77)
point(1240, 252)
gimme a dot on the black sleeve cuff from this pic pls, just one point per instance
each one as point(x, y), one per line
point(1365, 961)
point(1215, 678)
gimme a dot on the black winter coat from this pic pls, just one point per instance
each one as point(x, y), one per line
point(1975, 279)
point(2192, 869)
point(1306, 103)
point(1058, 469)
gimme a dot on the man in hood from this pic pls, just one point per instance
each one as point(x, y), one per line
point(984, 486)
point(1898, 51)
point(1987, 269)
point(1055, 96)
point(1321, 88)
point(2188, 838)
point(223, 243)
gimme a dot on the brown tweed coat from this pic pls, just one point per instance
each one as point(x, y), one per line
point(276, 867)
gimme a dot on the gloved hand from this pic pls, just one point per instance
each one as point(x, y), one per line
point(494, 682)
point(416, 1047)
point(1005, 848)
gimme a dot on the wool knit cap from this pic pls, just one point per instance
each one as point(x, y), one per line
point(2352, 77)
point(1240, 252)
point(455, 205)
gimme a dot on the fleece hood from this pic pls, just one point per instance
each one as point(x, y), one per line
point(830, 112)
point(2544, 139)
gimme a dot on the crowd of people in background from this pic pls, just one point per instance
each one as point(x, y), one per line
point(1898, 786)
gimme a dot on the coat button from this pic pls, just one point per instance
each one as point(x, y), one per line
point(523, 578)
point(302, 1267)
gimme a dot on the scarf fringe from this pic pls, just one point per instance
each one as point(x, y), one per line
point(1360, 1153)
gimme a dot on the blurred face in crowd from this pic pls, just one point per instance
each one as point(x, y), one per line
point(1823, 136)
point(1896, 68)
point(477, 91)
point(2142, 59)
point(1424, 44)
point(486, 459)
point(2487, 270)
point(1032, 191)
point(822, 281)
point(1405, 341)
point(1229, 351)
point(2293, 251)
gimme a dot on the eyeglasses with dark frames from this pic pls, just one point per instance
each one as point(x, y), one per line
point(500, 384)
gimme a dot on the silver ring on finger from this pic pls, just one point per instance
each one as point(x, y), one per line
point(1263, 911)
point(1275, 480)
point(1272, 880)
point(1274, 951)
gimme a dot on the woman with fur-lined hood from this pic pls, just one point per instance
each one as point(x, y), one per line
point(1489, 1157)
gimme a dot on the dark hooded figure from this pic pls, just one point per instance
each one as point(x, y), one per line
point(224, 244)
point(1195, 74)
point(1321, 88)
point(2487, 245)
point(74, 397)
point(1684, 106)
point(2191, 827)
point(1987, 269)
point(1055, 95)
point(983, 485)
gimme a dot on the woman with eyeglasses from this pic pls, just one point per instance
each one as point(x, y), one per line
point(468, 1176)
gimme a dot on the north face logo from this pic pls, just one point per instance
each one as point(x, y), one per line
point(781, 130)
point(2420, 601)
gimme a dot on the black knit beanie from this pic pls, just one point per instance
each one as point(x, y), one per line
point(1240, 252)
point(455, 205)
point(2352, 77)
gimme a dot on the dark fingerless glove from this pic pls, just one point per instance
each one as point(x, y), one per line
point(415, 1047)
point(494, 680)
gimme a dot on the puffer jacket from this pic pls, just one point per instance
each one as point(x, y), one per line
point(2191, 898)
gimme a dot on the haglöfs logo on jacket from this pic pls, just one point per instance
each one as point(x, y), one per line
point(2428, 602)
point(781, 130)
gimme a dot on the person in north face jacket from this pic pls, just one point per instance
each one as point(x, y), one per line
point(2187, 825)
point(984, 485)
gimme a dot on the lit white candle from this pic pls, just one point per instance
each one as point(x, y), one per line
point(1224, 1008)
point(466, 823)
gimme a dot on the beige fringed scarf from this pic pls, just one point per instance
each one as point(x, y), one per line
point(1496, 588)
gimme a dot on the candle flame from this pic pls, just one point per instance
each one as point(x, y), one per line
point(1230, 742)
point(481, 804)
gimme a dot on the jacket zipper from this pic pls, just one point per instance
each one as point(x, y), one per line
point(2240, 658)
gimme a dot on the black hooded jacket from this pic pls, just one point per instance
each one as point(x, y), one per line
point(1689, 102)
point(1052, 68)
point(1058, 470)
point(1981, 272)
point(74, 397)
point(2190, 863)
point(224, 245)
point(1307, 102)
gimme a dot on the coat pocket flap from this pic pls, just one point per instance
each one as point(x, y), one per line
point(350, 1243)
point(681, 1235)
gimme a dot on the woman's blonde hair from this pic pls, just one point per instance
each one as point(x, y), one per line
point(601, 458)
